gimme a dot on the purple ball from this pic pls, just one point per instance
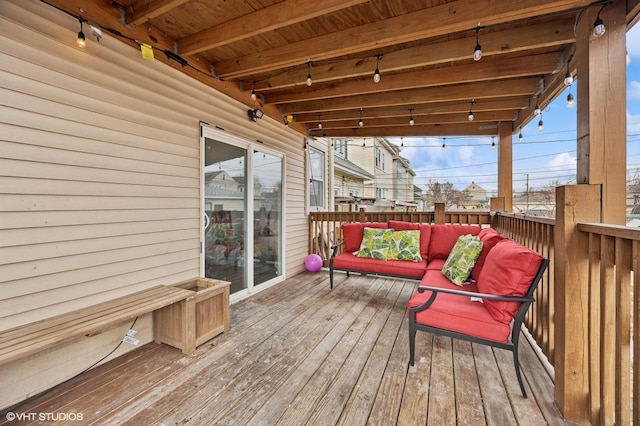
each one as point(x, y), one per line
point(313, 263)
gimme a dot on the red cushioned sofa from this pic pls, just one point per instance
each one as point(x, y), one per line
point(485, 310)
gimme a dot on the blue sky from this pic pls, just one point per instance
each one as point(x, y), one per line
point(545, 156)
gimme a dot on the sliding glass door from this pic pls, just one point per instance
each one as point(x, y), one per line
point(242, 203)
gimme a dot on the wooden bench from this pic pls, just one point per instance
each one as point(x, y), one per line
point(31, 338)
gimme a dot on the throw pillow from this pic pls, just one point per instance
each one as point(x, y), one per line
point(405, 245)
point(463, 256)
point(375, 243)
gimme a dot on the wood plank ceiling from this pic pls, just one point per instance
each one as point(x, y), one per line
point(422, 48)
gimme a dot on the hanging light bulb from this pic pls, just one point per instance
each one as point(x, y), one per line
point(520, 137)
point(568, 78)
point(598, 26)
point(411, 120)
point(470, 116)
point(537, 110)
point(309, 81)
point(376, 74)
point(570, 100)
point(540, 124)
point(493, 142)
point(319, 122)
point(443, 143)
point(477, 52)
point(401, 142)
point(360, 122)
point(81, 41)
point(253, 92)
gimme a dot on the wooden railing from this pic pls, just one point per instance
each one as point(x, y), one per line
point(614, 297)
point(537, 234)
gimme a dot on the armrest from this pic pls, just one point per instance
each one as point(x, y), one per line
point(334, 249)
point(436, 290)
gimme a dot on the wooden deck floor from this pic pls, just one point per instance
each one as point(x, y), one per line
point(299, 353)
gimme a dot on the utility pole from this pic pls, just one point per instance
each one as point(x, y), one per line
point(527, 175)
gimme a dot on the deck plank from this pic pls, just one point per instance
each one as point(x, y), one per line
point(300, 353)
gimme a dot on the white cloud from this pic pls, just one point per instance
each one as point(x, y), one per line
point(562, 162)
point(633, 43)
point(633, 91)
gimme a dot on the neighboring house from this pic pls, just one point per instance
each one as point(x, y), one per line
point(477, 197)
point(392, 186)
point(349, 184)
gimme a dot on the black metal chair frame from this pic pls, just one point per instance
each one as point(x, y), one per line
point(512, 345)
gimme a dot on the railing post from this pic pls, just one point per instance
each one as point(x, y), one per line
point(438, 213)
point(574, 204)
point(362, 217)
point(496, 204)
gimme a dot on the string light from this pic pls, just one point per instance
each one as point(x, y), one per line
point(537, 110)
point(376, 74)
point(253, 92)
point(81, 41)
point(598, 26)
point(319, 122)
point(411, 120)
point(360, 122)
point(309, 80)
point(493, 142)
point(443, 143)
point(568, 77)
point(570, 100)
point(540, 123)
point(477, 52)
point(520, 137)
point(470, 116)
point(401, 142)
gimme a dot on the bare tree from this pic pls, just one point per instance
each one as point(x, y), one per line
point(444, 192)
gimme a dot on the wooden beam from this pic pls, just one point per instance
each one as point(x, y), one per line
point(535, 36)
point(453, 17)
point(505, 165)
point(143, 10)
point(261, 21)
point(466, 129)
point(485, 70)
point(601, 120)
point(509, 104)
point(633, 12)
point(462, 93)
point(480, 117)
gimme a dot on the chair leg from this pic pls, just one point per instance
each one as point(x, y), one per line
point(412, 340)
point(331, 276)
point(516, 364)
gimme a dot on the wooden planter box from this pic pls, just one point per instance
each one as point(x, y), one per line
point(197, 319)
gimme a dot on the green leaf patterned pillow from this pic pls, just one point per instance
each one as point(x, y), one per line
point(375, 243)
point(405, 245)
point(462, 258)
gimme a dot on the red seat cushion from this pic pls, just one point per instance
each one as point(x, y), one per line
point(457, 313)
point(508, 271)
point(352, 233)
point(489, 237)
point(444, 237)
point(386, 267)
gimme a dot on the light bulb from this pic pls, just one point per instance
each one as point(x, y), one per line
point(81, 41)
point(361, 123)
point(309, 81)
point(520, 137)
point(471, 117)
point(493, 145)
point(443, 147)
point(376, 76)
point(598, 27)
point(540, 125)
point(569, 100)
point(253, 95)
point(477, 53)
point(568, 78)
point(412, 122)
point(537, 111)
point(319, 125)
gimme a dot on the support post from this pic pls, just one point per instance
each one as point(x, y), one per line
point(574, 204)
point(496, 204)
point(505, 166)
point(438, 213)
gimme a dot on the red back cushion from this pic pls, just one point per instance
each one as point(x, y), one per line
point(508, 270)
point(352, 234)
point(425, 233)
point(444, 237)
point(489, 237)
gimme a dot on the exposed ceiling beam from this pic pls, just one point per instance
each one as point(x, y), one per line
point(466, 73)
point(479, 117)
point(503, 104)
point(476, 129)
point(435, 21)
point(141, 11)
point(548, 34)
point(261, 21)
point(461, 93)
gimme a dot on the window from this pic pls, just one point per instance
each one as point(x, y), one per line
point(316, 170)
point(379, 192)
point(339, 147)
point(379, 158)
